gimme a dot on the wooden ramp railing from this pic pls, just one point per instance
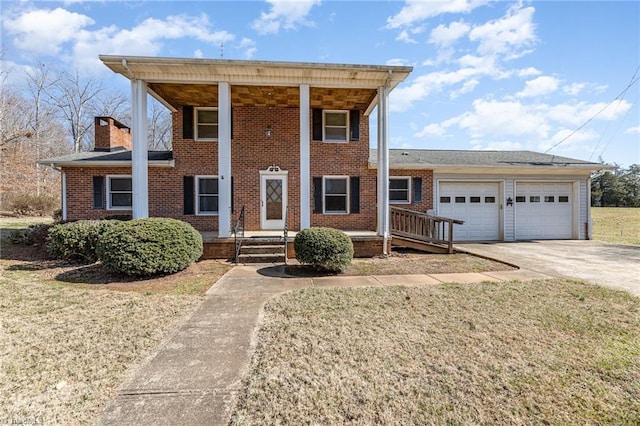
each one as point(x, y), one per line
point(423, 227)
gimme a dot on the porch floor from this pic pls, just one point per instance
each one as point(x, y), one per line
point(212, 236)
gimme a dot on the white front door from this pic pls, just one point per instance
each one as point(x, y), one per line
point(273, 200)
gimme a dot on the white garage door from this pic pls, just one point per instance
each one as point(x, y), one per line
point(544, 211)
point(476, 203)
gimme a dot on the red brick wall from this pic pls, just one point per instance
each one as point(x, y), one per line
point(108, 135)
point(252, 151)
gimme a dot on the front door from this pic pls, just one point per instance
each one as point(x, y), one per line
point(273, 200)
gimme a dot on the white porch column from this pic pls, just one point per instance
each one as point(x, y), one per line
point(139, 154)
point(305, 159)
point(224, 159)
point(383, 164)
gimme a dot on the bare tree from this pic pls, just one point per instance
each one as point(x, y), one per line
point(159, 124)
point(75, 99)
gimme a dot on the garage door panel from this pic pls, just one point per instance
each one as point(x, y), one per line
point(544, 210)
point(476, 204)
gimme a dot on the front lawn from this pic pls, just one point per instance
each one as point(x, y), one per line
point(556, 351)
point(616, 224)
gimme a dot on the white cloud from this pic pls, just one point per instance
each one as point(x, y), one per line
point(198, 53)
point(542, 85)
point(43, 31)
point(249, 47)
point(508, 35)
point(467, 87)
point(633, 130)
point(443, 35)
point(405, 37)
point(82, 45)
point(528, 72)
point(415, 11)
point(577, 114)
point(433, 129)
point(285, 14)
point(574, 89)
point(397, 62)
point(504, 118)
point(571, 140)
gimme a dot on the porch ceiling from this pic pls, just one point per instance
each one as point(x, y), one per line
point(264, 96)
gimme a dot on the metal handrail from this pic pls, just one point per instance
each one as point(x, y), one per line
point(286, 232)
point(238, 232)
point(423, 226)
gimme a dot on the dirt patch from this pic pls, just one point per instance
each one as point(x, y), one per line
point(405, 261)
point(543, 352)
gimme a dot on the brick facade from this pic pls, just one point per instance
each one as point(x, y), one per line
point(252, 151)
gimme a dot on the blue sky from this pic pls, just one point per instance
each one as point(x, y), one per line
point(487, 75)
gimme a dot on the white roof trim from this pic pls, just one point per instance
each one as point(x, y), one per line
point(484, 169)
point(89, 163)
point(207, 71)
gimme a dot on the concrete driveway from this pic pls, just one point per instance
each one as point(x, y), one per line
point(612, 265)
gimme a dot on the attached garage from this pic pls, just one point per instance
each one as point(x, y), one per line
point(477, 203)
point(544, 210)
point(505, 195)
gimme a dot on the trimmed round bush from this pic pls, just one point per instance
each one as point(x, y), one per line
point(77, 241)
point(326, 249)
point(153, 246)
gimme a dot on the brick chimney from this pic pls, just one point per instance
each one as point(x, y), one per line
point(111, 135)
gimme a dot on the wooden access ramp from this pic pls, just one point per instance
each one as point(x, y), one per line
point(422, 231)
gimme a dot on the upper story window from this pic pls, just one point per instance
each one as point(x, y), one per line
point(335, 126)
point(207, 195)
point(399, 190)
point(206, 124)
point(119, 193)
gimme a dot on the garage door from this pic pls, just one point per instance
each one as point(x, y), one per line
point(477, 204)
point(544, 211)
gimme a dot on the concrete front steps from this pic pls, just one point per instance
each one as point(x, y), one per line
point(262, 250)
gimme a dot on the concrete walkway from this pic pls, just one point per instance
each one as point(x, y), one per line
point(194, 377)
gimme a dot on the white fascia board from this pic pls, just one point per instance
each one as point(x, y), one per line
point(466, 169)
point(92, 164)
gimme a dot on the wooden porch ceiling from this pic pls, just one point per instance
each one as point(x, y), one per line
point(178, 95)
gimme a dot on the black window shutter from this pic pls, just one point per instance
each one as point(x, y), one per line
point(98, 192)
point(417, 189)
point(232, 211)
point(187, 184)
point(317, 124)
point(187, 122)
point(317, 195)
point(354, 203)
point(354, 124)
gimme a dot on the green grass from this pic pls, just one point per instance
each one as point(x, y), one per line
point(542, 352)
point(616, 224)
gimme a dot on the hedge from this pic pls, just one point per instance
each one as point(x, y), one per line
point(324, 248)
point(153, 246)
point(77, 241)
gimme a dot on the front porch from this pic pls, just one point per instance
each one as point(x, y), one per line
point(365, 243)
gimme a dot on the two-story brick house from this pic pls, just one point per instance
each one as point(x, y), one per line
point(282, 140)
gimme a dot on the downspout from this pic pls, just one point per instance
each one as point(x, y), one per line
point(63, 190)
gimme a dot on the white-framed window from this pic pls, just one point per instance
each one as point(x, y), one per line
point(206, 124)
point(335, 191)
point(335, 126)
point(119, 192)
point(400, 189)
point(206, 195)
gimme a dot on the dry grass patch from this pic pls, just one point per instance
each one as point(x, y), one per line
point(406, 261)
point(555, 351)
point(616, 224)
point(64, 347)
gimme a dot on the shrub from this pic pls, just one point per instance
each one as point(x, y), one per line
point(28, 204)
point(77, 241)
point(149, 246)
point(325, 248)
point(33, 235)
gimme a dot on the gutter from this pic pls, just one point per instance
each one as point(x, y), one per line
point(155, 163)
